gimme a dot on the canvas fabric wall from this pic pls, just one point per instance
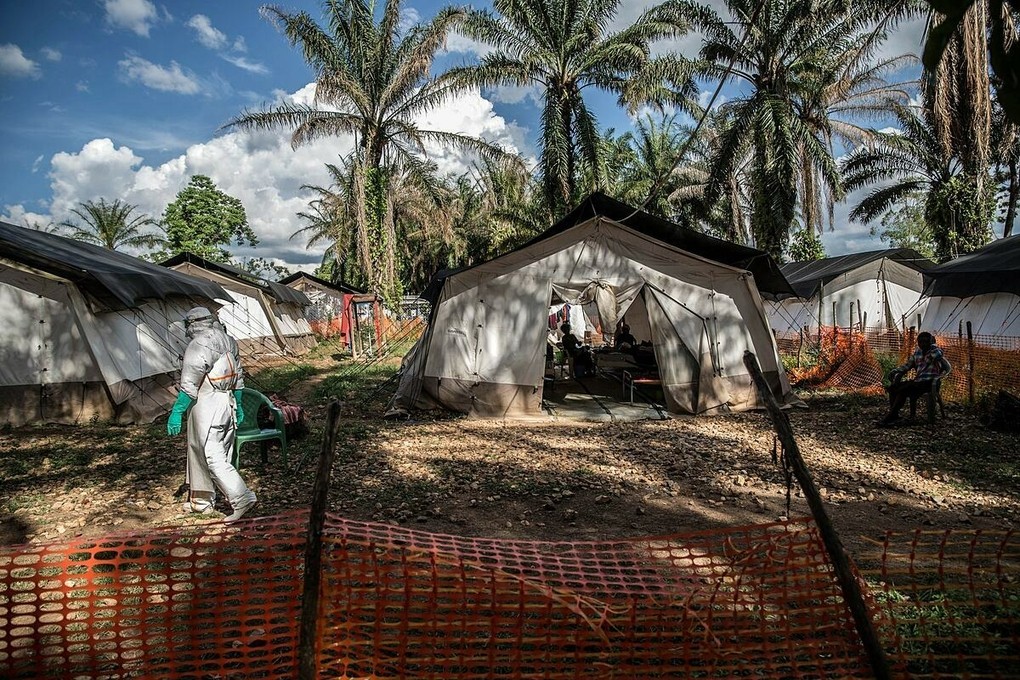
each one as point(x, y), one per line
point(992, 314)
point(484, 353)
point(883, 289)
point(63, 361)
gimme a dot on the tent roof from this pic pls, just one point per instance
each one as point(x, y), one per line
point(807, 277)
point(338, 287)
point(993, 269)
point(115, 279)
point(767, 274)
point(277, 291)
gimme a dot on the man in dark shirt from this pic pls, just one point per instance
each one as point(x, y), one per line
point(624, 340)
point(928, 365)
point(569, 340)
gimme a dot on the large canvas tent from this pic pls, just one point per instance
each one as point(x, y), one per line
point(88, 332)
point(880, 285)
point(483, 352)
point(982, 288)
point(337, 310)
point(263, 316)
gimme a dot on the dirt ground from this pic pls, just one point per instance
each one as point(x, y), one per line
point(549, 480)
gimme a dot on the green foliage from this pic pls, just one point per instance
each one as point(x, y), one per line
point(203, 219)
point(263, 268)
point(959, 212)
point(566, 49)
point(805, 246)
point(904, 226)
point(110, 225)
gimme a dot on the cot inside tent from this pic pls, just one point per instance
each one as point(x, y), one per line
point(483, 352)
point(879, 289)
point(982, 288)
point(86, 332)
point(264, 317)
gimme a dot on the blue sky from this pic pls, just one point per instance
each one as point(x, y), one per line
point(126, 99)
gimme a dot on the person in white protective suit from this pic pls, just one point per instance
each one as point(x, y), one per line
point(211, 379)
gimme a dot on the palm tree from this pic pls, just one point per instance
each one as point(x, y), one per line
point(785, 53)
point(563, 47)
point(914, 165)
point(649, 177)
point(111, 225)
point(372, 81)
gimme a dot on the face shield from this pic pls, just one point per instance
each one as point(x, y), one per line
point(196, 320)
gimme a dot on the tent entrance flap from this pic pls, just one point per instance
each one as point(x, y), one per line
point(685, 351)
point(608, 300)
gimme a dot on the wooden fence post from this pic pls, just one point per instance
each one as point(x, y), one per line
point(307, 642)
point(840, 562)
point(970, 364)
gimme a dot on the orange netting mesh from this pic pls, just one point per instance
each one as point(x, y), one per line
point(223, 602)
point(849, 360)
point(950, 602)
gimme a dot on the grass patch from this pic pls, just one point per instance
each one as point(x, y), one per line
point(279, 378)
point(354, 382)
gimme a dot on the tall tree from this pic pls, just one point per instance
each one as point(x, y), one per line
point(915, 163)
point(202, 220)
point(785, 53)
point(649, 176)
point(372, 82)
point(111, 225)
point(562, 47)
point(957, 94)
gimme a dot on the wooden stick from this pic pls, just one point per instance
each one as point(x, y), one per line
point(970, 364)
point(307, 647)
point(840, 562)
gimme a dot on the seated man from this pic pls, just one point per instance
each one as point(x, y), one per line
point(580, 359)
point(624, 340)
point(928, 364)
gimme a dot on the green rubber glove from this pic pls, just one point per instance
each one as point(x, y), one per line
point(240, 409)
point(173, 424)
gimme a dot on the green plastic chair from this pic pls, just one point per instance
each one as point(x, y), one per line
point(249, 430)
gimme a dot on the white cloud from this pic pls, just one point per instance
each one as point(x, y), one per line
point(50, 54)
point(246, 64)
point(82, 86)
point(239, 45)
point(167, 79)
point(206, 33)
point(134, 15)
point(15, 64)
point(259, 168)
point(36, 163)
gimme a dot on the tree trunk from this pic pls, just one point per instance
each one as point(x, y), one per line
point(1011, 198)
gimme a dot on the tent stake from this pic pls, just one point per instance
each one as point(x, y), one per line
point(307, 647)
point(840, 562)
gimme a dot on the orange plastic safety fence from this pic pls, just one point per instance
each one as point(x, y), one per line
point(223, 602)
point(950, 601)
point(847, 359)
point(206, 601)
point(758, 600)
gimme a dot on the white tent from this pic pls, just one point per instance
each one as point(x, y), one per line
point(484, 350)
point(264, 317)
point(881, 286)
point(982, 288)
point(88, 332)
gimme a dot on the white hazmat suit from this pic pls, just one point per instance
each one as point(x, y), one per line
point(210, 374)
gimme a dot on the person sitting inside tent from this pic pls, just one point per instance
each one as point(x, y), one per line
point(928, 364)
point(579, 357)
point(624, 340)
